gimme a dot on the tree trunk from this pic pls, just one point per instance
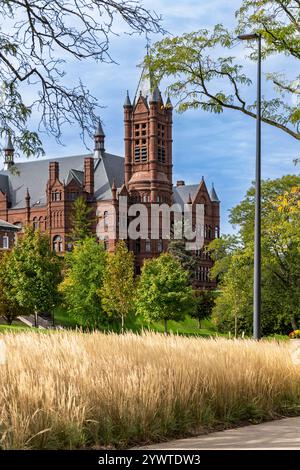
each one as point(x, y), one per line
point(166, 326)
point(35, 318)
point(235, 326)
point(122, 324)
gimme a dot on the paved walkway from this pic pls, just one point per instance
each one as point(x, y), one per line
point(280, 434)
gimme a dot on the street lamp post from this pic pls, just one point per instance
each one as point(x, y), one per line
point(257, 222)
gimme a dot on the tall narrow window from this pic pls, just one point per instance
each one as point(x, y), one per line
point(137, 246)
point(5, 242)
point(105, 220)
point(35, 223)
point(140, 143)
point(148, 245)
point(161, 147)
point(159, 246)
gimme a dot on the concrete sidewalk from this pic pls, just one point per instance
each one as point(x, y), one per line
point(279, 434)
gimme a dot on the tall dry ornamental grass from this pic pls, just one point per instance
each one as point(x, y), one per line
point(67, 390)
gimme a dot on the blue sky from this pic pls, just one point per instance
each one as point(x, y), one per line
point(219, 147)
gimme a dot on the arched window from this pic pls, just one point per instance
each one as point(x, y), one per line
point(41, 222)
point(217, 232)
point(105, 220)
point(35, 223)
point(57, 244)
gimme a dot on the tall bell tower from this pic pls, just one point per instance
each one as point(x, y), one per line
point(148, 144)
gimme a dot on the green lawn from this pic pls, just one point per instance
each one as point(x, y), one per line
point(18, 328)
point(188, 327)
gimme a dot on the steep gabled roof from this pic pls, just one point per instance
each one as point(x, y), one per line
point(181, 194)
point(34, 176)
point(76, 175)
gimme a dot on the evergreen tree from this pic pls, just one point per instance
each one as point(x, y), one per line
point(118, 288)
point(85, 267)
point(81, 220)
point(187, 259)
point(163, 292)
point(32, 272)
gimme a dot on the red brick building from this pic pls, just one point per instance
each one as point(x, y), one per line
point(41, 192)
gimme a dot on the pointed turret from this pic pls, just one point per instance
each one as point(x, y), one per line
point(213, 194)
point(114, 190)
point(99, 137)
point(127, 102)
point(27, 197)
point(155, 95)
point(8, 153)
point(169, 103)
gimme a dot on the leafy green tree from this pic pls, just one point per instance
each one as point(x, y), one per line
point(117, 292)
point(280, 261)
point(9, 309)
point(32, 273)
point(81, 220)
point(164, 292)
point(36, 37)
point(205, 302)
point(85, 267)
point(205, 74)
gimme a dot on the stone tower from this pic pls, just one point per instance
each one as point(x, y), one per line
point(148, 144)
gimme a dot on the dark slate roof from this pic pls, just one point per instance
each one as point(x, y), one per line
point(34, 176)
point(77, 175)
point(7, 226)
point(181, 193)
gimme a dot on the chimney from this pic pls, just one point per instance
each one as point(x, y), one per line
point(89, 175)
point(53, 172)
point(180, 183)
